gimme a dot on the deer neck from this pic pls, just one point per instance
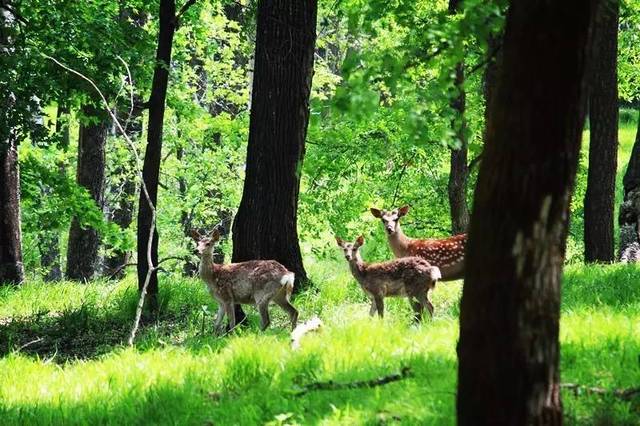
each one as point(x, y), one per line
point(399, 242)
point(208, 269)
point(357, 265)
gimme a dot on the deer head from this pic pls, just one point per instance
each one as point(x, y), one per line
point(390, 219)
point(205, 243)
point(350, 249)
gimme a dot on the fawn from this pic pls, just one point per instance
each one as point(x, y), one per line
point(446, 253)
point(256, 282)
point(412, 277)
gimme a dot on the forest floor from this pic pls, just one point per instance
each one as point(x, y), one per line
point(63, 359)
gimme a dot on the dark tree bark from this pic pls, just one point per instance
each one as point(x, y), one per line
point(603, 146)
point(509, 324)
point(265, 226)
point(459, 170)
point(49, 239)
point(629, 218)
point(11, 269)
point(123, 193)
point(84, 242)
point(152, 157)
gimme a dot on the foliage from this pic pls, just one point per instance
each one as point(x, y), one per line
point(178, 373)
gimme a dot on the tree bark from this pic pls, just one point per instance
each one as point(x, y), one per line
point(603, 146)
point(84, 242)
point(123, 194)
point(509, 324)
point(629, 218)
point(152, 157)
point(265, 226)
point(11, 269)
point(459, 170)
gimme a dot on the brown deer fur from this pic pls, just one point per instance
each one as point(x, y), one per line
point(446, 253)
point(256, 282)
point(411, 277)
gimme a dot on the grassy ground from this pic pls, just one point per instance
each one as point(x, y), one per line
point(63, 362)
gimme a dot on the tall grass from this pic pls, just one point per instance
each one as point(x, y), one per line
point(178, 373)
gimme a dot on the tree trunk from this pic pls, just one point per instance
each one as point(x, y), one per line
point(11, 269)
point(629, 218)
point(603, 147)
point(509, 324)
point(152, 157)
point(84, 242)
point(266, 224)
point(459, 171)
point(123, 193)
point(49, 239)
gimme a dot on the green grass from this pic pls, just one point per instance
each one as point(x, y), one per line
point(79, 372)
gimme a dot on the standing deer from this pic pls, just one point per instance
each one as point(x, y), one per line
point(256, 282)
point(412, 277)
point(446, 253)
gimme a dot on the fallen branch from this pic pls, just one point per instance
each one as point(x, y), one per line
point(625, 394)
point(404, 373)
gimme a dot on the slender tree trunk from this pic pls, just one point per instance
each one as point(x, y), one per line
point(152, 157)
point(603, 146)
point(84, 242)
point(265, 226)
point(123, 193)
point(459, 171)
point(509, 324)
point(11, 269)
point(49, 239)
point(629, 218)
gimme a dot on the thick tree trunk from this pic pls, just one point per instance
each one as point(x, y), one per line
point(629, 218)
point(266, 224)
point(49, 239)
point(459, 170)
point(603, 147)
point(152, 157)
point(84, 242)
point(509, 324)
point(123, 194)
point(11, 269)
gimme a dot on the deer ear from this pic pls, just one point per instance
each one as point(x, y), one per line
point(195, 235)
point(360, 240)
point(403, 211)
point(339, 241)
point(376, 213)
point(215, 235)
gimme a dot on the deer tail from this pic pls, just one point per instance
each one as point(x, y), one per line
point(287, 281)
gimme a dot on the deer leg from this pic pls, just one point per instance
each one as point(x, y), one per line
point(231, 313)
point(373, 309)
point(379, 305)
point(417, 309)
point(426, 303)
point(219, 317)
point(289, 309)
point(263, 309)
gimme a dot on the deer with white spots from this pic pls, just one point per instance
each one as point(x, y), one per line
point(411, 277)
point(446, 253)
point(256, 282)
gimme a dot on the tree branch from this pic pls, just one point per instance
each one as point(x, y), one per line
point(625, 394)
point(404, 373)
point(183, 10)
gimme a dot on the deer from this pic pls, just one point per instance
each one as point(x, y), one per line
point(445, 253)
point(256, 282)
point(411, 277)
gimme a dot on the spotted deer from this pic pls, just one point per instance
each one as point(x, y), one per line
point(446, 253)
point(256, 282)
point(411, 277)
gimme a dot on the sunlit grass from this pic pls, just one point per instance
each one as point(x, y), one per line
point(180, 374)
